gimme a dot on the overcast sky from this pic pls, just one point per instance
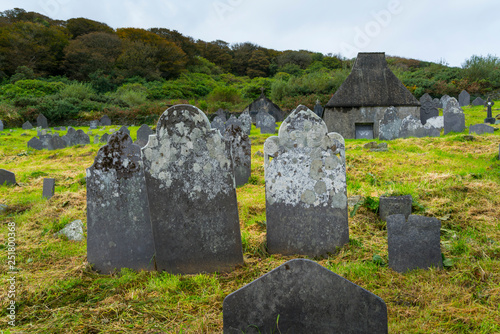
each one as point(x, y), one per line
point(431, 30)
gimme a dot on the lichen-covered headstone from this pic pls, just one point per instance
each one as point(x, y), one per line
point(104, 121)
point(104, 138)
point(266, 122)
point(481, 128)
point(232, 121)
point(119, 233)
point(393, 205)
point(81, 138)
point(246, 122)
point(124, 129)
point(444, 100)
point(49, 185)
point(478, 102)
point(94, 125)
point(35, 143)
point(7, 177)
point(143, 135)
point(301, 296)
point(454, 118)
point(45, 139)
point(306, 196)
point(427, 110)
point(412, 127)
point(318, 109)
point(73, 231)
point(437, 103)
point(41, 121)
point(190, 182)
point(218, 123)
point(413, 243)
point(389, 125)
point(222, 114)
point(242, 153)
point(464, 98)
point(27, 126)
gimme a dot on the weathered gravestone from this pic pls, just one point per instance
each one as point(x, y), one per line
point(425, 98)
point(96, 139)
point(35, 143)
point(318, 109)
point(94, 125)
point(119, 233)
point(222, 114)
point(454, 118)
point(7, 177)
point(218, 123)
point(444, 100)
point(143, 135)
point(76, 137)
point(246, 122)
point(489, 118)
point(389, 125)
point(437, 103)
point(1, 125)
point(428, 110)
point(27, 126)
point(412, 127)
point(393, 205)
point(301, 296)
point(241, 151)
point(45, 140)
point(49, 186)
point(478, 102)
point(413, 243)
point(479, 129)
point(190, 182)
point(464, 98)
point(41, 121)
point(266, 122)
point(232, 121)
point(104, 121)
point(56, 143)
point(124, 129)
point(306, 196)
point(40, 131)
point(73, 231)
point(104, 138)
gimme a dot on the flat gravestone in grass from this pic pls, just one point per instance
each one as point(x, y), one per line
point(454, 118)
point(301, 296)
point(241, 152)
point(192, 198)
point(480, 129)
point(143, 134)
point(119, 233)
point(306, 191)
point(7, 177)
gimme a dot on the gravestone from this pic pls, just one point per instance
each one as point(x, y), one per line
point(464, 98)
point(246, 122)
point(81, 138)
point(318, 109)
point(143, 135)
point(393, 205)
point(124, 129)
point(27, 126)
point(1, 125)
point(222, 114)
point(232, 121)
point(73, 231)
point(259, 117)
point(266, 122)
point(104, 121)
point(218, 123)
point(45, 140)
point(56, 143)
point(428, 110)
point(301, 296)
point(7, 177)
point(241, 151)
point(479, 129)
point(35, 143)
point(489, 118)
point(49, 186)
point(478, 102)
point(306, 196)
point(96, 139)
point(41, 121)
point(94, 125)
point(412, 127)
point(40, 131)
point(413, 243)
point(444, 100)
point(119, 233)
point(425, 98)
point(437, 103)
point(189, 166)
point(454, 118)
point(104, 138)
point(389, 125)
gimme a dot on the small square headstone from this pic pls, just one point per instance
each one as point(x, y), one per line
point(27, 126)
point(48, 187)
point(7, 177)
point(41, 121)
point(393, 205)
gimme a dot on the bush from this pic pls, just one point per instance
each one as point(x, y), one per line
point(225, 94)
point(77, 90)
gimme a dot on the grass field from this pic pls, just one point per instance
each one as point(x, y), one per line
point(454, 178)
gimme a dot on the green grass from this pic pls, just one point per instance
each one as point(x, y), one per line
point(451, 178)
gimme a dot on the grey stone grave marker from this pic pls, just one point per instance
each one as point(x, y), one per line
point(49, 186)
point(489, 118)
point(454, 118)
point(306, 196)
point(7, 177)
point(464, 98)
point(104, 138)
point(427, 110)
point(393, 205)
point(412, 127)
point(45, 140)
point(389, 125)
point(478, 102)
point(143, 135)
point(35, 143)
point(267, 122)
point(73, 231)
point(425, 98)
point(246, 122)
point(231, 121)
point(41, 121)
point(301, 296)
point(318, 109)
point(218, 123)
point(1, 125)
point(124, 129)
point(56, 143)
point(479, 129)
point(437, 103)
point(242, 153)
point(104, 121)
point(27, 126)
point(81, 138)
point(413, 243)
point(94, 125)
point(222, 114)
point(189, 165)
point(444, 100)
point(119, 233)
point(96, 139)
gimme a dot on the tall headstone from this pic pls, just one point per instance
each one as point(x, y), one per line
point(190, 182)
point(464, 98)
point(119, 233)
point(489, 118)
point(301, 296)
point(241, 151)
point(49, 186)
point(318, 109)
point(413, 243)
point(35, 143)
point(1, 125)
point(232, 121)
point(393, 205)
point(265, 122)
point(218, 123)
point(454, 118)
point(427, 110)
point(41, 121)
point(478, 102)
point(143, 135)
point(7, 177)
point(480, 129)
point(306, 196)
point(246, 122)
point(27, 126)
point(389, 125)
point(104, 121)
point(94, 125)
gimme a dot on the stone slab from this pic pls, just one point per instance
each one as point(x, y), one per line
point(49, 187)
point(73, 231)
point(7, 177)
point(241, 152)
point(41, 121)
point(143, 134)
point(35, 143)
point(480, 129)
point(478, 102)
point(246, 122)
point(454, 118)
point(104, 121)
point(93, 125)
point(392, 205)
point(464, 98)
point(27, 126)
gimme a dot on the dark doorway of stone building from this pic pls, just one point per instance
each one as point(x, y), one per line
point(364, 130)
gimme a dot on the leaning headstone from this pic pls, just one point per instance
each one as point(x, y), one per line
point(318, 109)
point(479, 129)
point(427, 110)
point(394, 205)
point(56, 143)
point(306, 196)
point(464, 98)
point(7, 177)
point(246, 122)
point(232, 121)
point(119, 233)
point(478, 102)
point(222, 114)
point(143, 134)
point(188, 165)
point(444, 100)
point(1, 125)
point(27, 126)
point(49, 186)
point(301, 296)
point(218, 123)
point(267, 122)
point(437, 103)
point(241, 151)
point(489, 118)
point(41, 121)
point(73, 231)
point(104, 138)
point(35, 143)
point(413, 243)
point(104, 121)
point(390, 125)
point(94, 125)
point(454, 118)
point(124, 129)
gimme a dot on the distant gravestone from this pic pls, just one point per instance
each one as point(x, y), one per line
point(27, 126)
point(301, 296)
point(412, 127)
point(94, 125)
point(246, 122)
point(241, 151)
point(104, 121)
point(124, 129)
point(428, 110)
point(464, 98)
point(444, 100)
point(222, 114)
point(306, 196)
point(437, 103)
point(1, 125)
point(478, 102)
point(480, 129)
point(390, 125)
point(73, 231)
point(49, 186)
point(218, 123)
point(318, 109)
point(393, 205)
point(96, 139)
point(425, 98)
point(266, 122)
point(413, 243)
point(489, 118)
point(41, 121)
point(232, 121)
point(45, 140)
point(81, 138)
point(143, 134)
point(35, 143)
point(7, 177)
point(259, 117)
point(56, 143)
point(119, 233)
point(104, 138)
point(189, 164)
point(454, 118)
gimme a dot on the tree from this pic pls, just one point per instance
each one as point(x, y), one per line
point(242, 52)
point(258, 64)
point(218, 52)
point(81, 26)
point(186, 43)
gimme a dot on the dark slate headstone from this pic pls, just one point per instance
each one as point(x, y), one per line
point(45, 140)
point(444, 100)
point(232, 121)
point(49, 186)
point(454, 118)
point(81, 138)
point(7, 177)
point(246, 122)
point(464, 98)
point(27, 126)
point(306, 196)
point(124, 129)
point(301, 296)
point(119, 233)
point(479, 129)
point(96, 139)
point(394, 205)
point(318, 109)
point(428, 110)
point(1, 125)
point(56, 143)
point(425, 98)
point(104, 121)
point(94, 125)
point(218, 123)
point(259, 117)
point(241, 151)
point(222, 114)
point(143, 134)
point(478, 102)
point(437, 103)
point(263, 103)
point(266, 122)
point(104, 138)
point(35, 143)
point(389, 125)
point(189, 164)
point(413, 243)
point(41, 121)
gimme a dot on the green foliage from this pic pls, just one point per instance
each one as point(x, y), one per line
point(225, 94)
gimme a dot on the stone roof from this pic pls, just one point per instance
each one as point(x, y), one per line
point(371, 84)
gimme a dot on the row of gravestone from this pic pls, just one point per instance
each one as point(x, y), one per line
point(43, 123)
point(463, 100)
point(9, 178)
